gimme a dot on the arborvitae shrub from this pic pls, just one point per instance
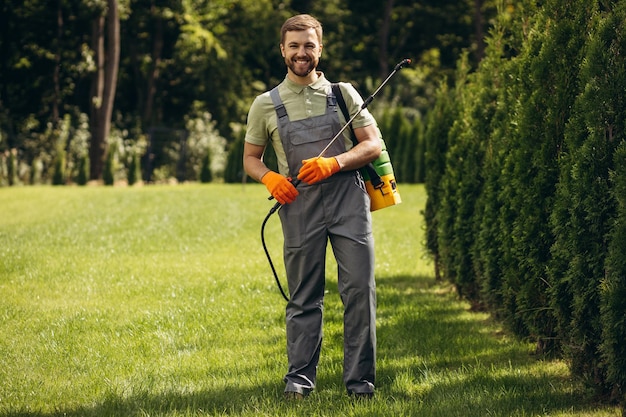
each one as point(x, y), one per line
point(82, 176)
point(58, 174)
point(205, 170)
point(418, 152)
point(234, 171)
point(486, 252)
point(36, 171)
point(547, 86)
point(108, 174)
point(392, 131)
point(439, 121)
point(134, 169)
point(463, 181)
point(554, 257)
point(404, 155)
point(613, 287)
point(12, 167)
point(585, 208)
point(234, 161)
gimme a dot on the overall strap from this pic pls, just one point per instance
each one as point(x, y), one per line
point(344, 109)
point(278, 104)
point(369, 168)
point(331, 102)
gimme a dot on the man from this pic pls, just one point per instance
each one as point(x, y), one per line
point(299, 117)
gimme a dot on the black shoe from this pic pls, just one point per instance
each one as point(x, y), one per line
point(362, 395)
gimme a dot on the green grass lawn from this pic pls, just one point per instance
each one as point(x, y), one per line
point(159, 301)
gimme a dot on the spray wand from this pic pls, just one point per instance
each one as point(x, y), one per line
point(296, 181)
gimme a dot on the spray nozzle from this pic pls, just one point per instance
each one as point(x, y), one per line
point(402, 64)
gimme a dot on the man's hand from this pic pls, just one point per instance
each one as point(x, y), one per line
point(283, 191)
point(316, 169)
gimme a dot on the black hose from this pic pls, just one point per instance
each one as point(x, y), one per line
point(267, 253)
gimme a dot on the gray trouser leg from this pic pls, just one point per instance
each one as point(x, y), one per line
point(358, 293)
point(353, 246)
point(304, 320)
point(305, 263)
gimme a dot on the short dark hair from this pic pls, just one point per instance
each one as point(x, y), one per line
point(301, 22)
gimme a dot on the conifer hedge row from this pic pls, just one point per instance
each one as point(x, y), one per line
point(526, 180)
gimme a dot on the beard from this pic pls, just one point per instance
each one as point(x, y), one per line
point(299, 69)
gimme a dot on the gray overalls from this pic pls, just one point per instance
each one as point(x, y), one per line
point(337, 209)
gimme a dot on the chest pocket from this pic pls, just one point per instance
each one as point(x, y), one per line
point(301, 135)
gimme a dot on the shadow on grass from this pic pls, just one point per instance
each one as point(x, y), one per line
point(223, 401)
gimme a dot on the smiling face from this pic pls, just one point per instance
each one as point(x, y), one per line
point(301, 50)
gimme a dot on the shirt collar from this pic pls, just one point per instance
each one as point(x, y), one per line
point(297, 88)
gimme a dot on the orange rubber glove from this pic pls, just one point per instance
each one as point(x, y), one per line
point(317, 169)
point(280, 187)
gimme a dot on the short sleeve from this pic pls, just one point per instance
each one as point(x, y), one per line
point(257, 131)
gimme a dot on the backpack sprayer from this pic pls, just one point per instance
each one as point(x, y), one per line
point(380, 182)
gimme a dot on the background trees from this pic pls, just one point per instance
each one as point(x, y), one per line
point(183, 58)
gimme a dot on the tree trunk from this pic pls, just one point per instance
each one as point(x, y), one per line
point(112, 63)
point(96, 148)
point(56, 75)
point(104, 84)
point(153, 76)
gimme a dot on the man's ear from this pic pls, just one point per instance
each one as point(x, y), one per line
point(282, 50)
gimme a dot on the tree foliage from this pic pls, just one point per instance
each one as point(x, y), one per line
point(178, 57)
